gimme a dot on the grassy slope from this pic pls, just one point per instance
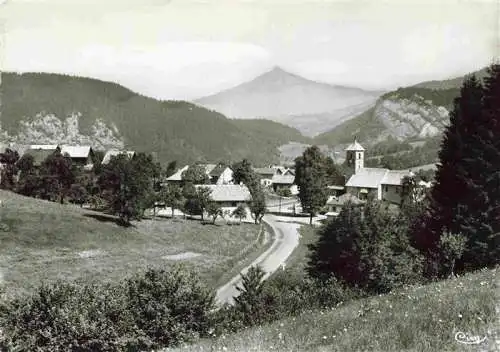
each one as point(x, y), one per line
point(422, 319)
point(176, 130)
point(45, 239)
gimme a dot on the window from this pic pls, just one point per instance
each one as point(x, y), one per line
point(386, 189)
point(234, 204)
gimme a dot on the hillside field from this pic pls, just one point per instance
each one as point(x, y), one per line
point(423, 318)
point(45, 241)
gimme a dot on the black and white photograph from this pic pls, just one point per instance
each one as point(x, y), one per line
point(249, 175)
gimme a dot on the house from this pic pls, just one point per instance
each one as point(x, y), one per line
point(381, 183)
point(335, 190)
point(335, 204)
point(266, 175)
point(280, 182)
point(221, 175)
point(44, 146)
point(113, 153)
point(229, 196)
point(40, 153)
point(218, 174)
point(81, 156)
point(176, 178)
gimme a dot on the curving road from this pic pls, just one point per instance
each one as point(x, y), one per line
point(285, 240)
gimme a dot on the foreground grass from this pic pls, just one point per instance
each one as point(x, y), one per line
point(422, 319)
point(46, 241)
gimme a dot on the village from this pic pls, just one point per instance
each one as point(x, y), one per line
point(277, 181)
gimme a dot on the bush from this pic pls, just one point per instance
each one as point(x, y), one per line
point(169, 307)
point(151, 310)
point(62, 317)
point(284, 192)
point(367, 248)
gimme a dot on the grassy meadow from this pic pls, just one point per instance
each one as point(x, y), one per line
point(418, 319)
point(44, 241)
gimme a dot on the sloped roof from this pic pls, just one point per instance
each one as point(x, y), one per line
point(43, 146)
point(395, 177)
point(111, 153)
point(264, 170)
point(208, 167)
point(76, 151)
point(347, 197)
point(218, 170)
point(283, 179)
point(177, 176)
point(228, 193)
point(367, 178)
point(335, 187)
point(39, 155)
point(355, 147)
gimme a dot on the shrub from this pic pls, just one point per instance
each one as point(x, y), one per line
point(150, 310)
point(284, 192)
point(367, 248)
point(62, 317)
point(169, 307)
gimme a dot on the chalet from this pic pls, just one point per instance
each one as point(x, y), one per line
point(217, 174)
point(335, 190)
point(280, 182)
point(380, 183)
point(176, 178)
point(221, 175)
point(335, 204)
point(81, 156)
point(113, 153)
point(229, 196)
point(40, 153)
point(265, 174)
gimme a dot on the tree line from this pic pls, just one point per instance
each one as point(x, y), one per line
point(125, 186)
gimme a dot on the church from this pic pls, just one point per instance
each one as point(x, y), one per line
point(382, 184)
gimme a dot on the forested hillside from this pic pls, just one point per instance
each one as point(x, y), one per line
point(51, 108)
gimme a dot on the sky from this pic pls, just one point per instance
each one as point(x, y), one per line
point(186, 49)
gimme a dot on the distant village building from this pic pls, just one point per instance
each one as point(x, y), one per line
point(286, 181)
point(81, 156)
point(41, 152)
point(217, 174)
point(265, 174)
point(335, 204)
point(381, 183)
point(229, 196)
point(113, 153)
point(277, 177)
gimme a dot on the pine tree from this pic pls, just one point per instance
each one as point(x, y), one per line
point(482, 225)
point(466, 198)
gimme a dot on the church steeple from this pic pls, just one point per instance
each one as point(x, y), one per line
point(355, 155)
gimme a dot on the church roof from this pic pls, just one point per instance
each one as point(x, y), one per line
point(356, 147)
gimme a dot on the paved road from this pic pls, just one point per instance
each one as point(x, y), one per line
point(285, 240)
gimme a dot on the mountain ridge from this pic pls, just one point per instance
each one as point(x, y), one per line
point(288, 98)
point(46, 108)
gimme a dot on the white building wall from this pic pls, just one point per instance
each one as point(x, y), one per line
point(226, 178)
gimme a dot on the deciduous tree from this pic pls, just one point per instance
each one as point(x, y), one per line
point(311, 178)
